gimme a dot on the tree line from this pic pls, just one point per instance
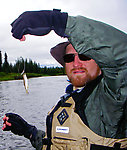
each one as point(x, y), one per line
point(28, 65)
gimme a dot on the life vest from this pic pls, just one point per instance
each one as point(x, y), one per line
point(66, 131)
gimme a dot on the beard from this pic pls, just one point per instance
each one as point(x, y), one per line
point(79, 80)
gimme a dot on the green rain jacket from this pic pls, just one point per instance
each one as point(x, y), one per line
point(106, 107)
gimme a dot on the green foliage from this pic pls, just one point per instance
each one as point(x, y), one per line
point(2, 74)
point(53, 71)
point(0, 61)
point(9, 71)
point(7, 76)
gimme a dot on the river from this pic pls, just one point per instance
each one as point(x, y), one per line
point(44, 92)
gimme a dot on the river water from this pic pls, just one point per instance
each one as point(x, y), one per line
point(44, 92)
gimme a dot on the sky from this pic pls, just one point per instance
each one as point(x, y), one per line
point(37, 48)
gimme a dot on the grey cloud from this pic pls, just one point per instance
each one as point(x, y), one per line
point(112, 12)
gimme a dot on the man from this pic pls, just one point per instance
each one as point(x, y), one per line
point(92, 115)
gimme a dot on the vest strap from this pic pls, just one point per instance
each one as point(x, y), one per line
point(101, 147)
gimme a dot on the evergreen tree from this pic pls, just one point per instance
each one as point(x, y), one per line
point(6, 64)
point(0, 61)
point(28, 67)
point(5, 58)
point(19, 65)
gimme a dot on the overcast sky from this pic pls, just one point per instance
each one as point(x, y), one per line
point(112, 12)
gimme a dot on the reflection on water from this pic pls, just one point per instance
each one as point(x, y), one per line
point(44, 92)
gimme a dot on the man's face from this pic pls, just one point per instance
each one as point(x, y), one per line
point(80, 72)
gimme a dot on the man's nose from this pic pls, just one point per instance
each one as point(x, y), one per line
point(77, 61)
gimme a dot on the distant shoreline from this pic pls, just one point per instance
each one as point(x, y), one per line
point(17, 76)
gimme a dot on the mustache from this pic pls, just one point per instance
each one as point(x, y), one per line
point(80, 68)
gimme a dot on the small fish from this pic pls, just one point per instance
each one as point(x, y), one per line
point(25, 82)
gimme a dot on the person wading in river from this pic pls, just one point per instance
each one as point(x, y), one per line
point(92, 115)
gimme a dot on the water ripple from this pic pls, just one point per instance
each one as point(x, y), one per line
point(44, 92)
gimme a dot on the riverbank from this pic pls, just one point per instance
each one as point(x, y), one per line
point(16, 76)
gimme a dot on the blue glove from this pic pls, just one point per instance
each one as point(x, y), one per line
point(39, 23)
point(19, 126)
